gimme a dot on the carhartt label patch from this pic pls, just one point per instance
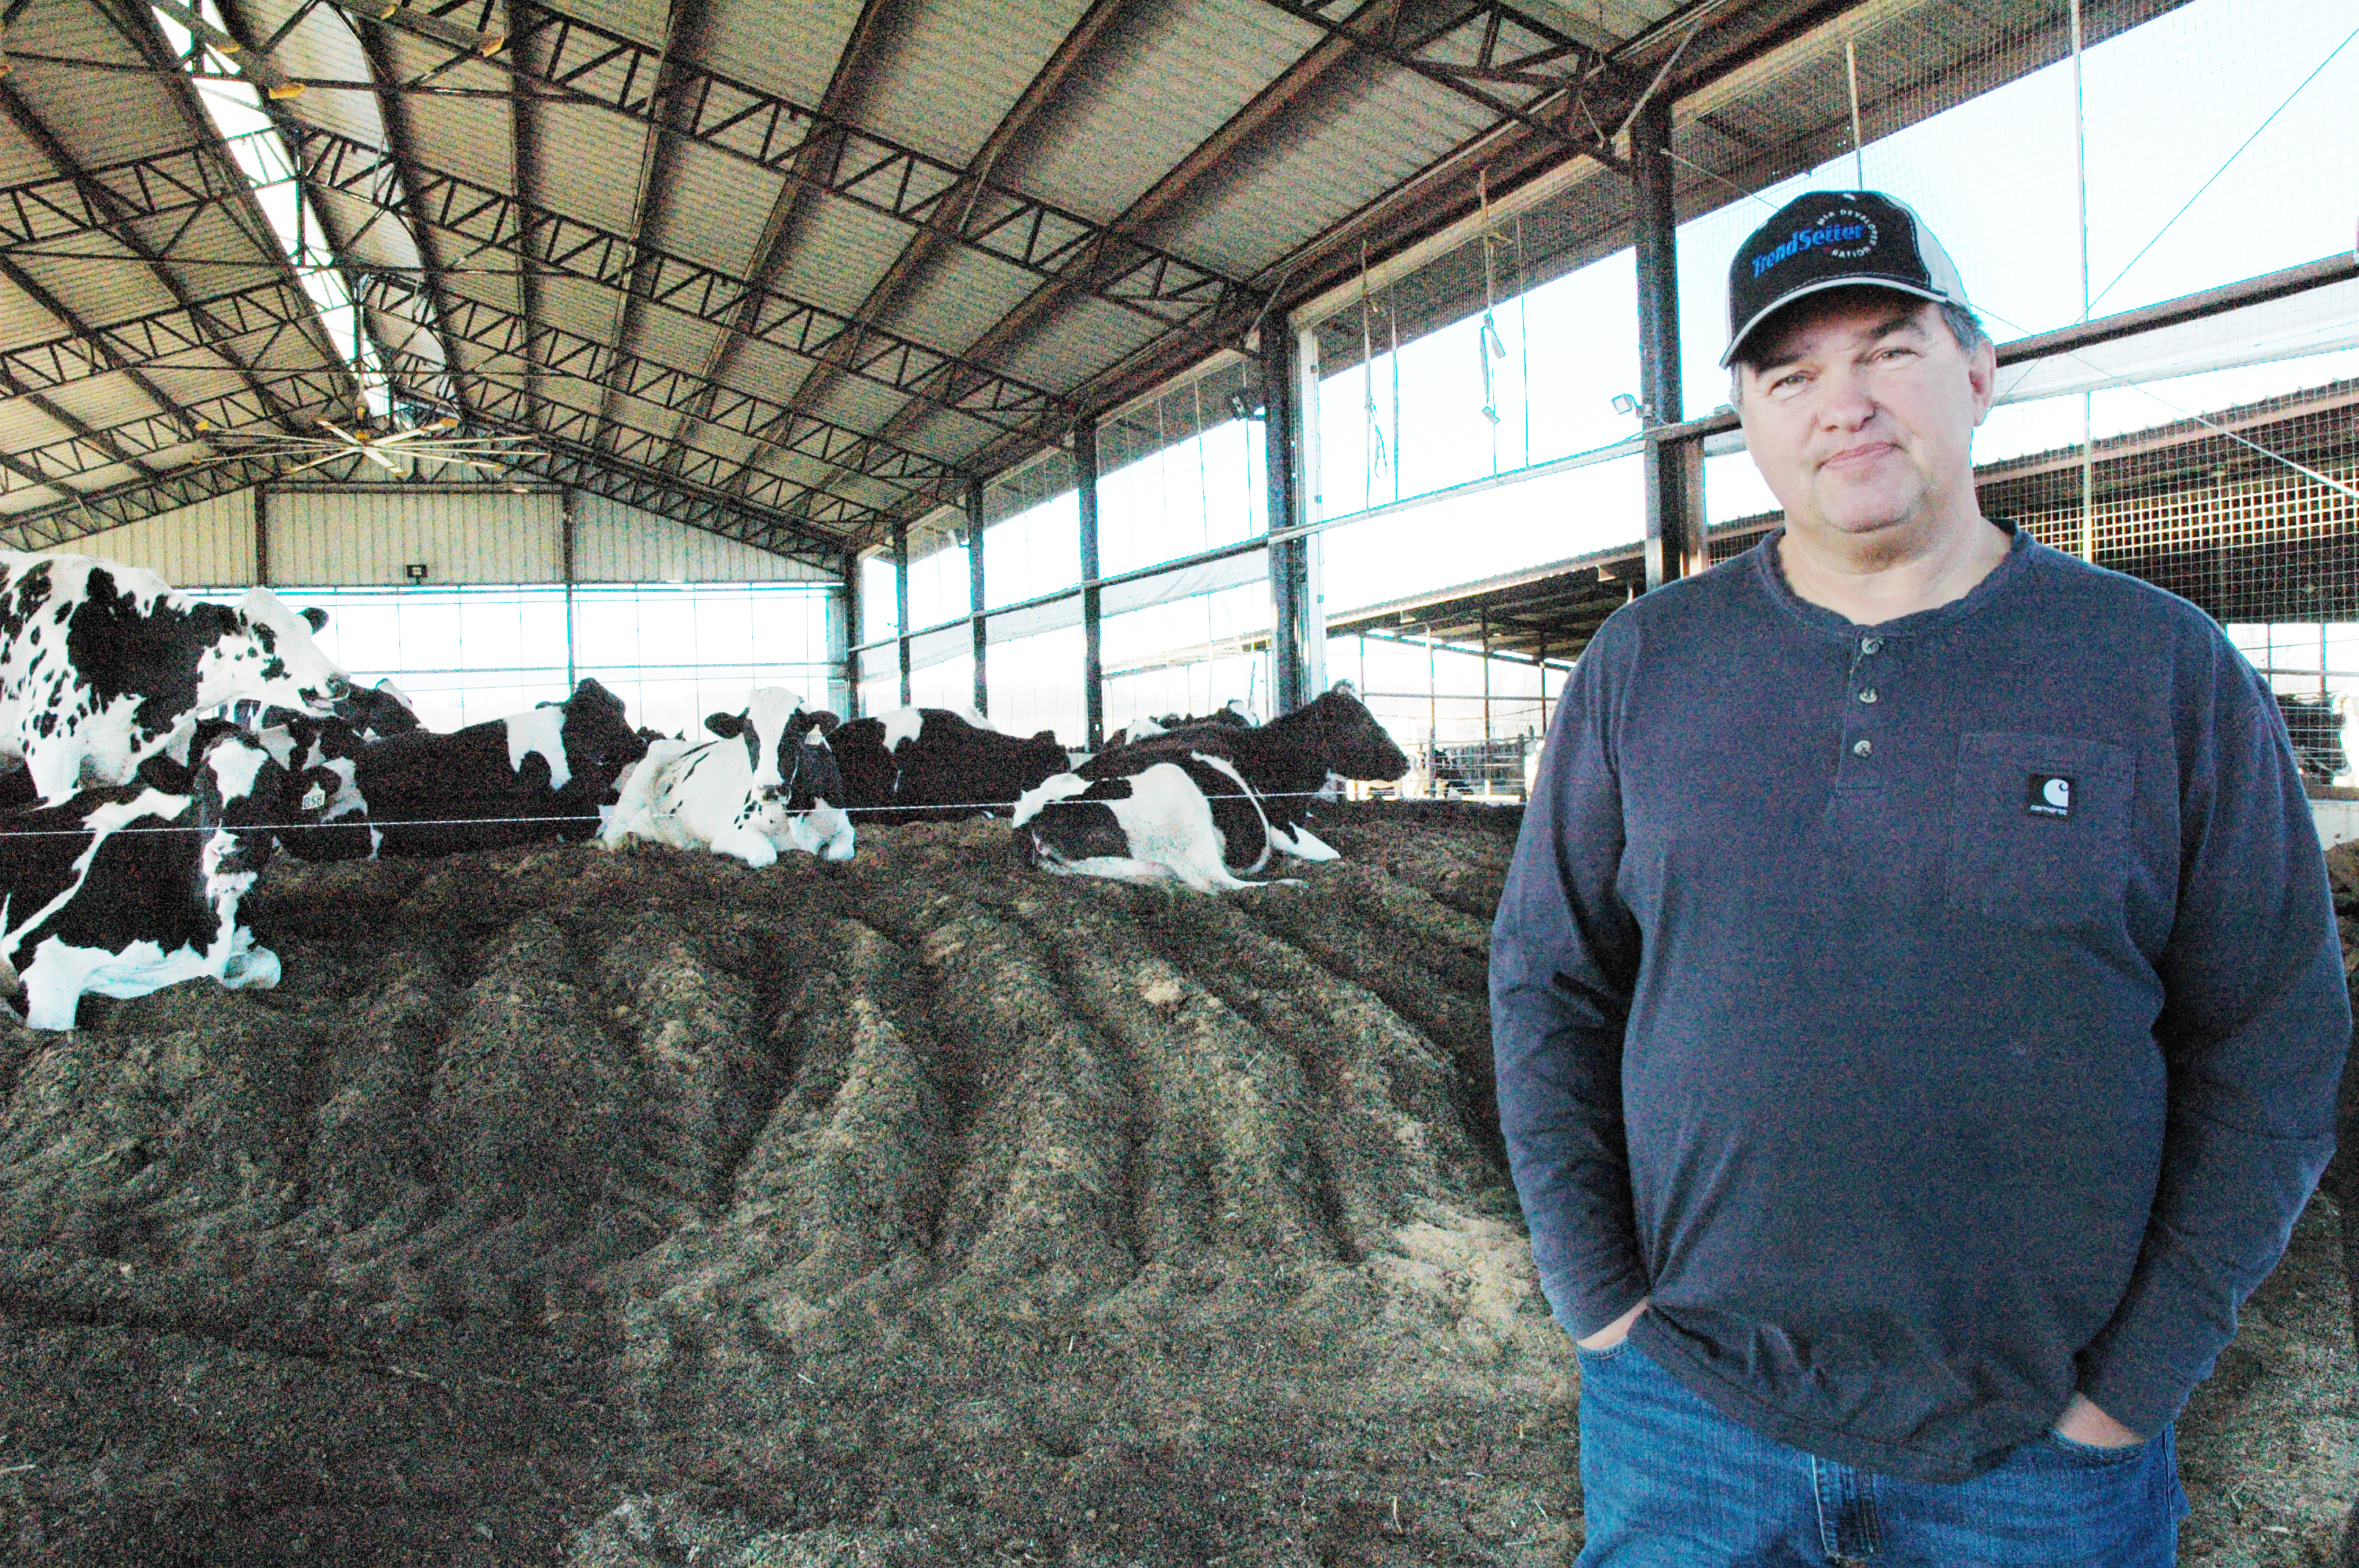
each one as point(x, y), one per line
point(2048, 795)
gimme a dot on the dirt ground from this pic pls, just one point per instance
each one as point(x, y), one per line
point(576, 1208)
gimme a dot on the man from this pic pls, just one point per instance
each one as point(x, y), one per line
point(1916, 998)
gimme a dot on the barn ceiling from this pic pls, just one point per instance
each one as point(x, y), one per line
point(790, 270)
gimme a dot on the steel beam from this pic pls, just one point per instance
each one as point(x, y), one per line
point(1289, 577)
point(553, 351)
point(563, 55)
point(1085, 465)
point(524, 127)
point(683, 35)
point(1674, 477)
point(1465, 39)
point(901, 604)
point(1299, 82)
point(916, 258)
point(94, 512)
point(495, 224)
point(148, 434)
point(857, 70)
point(150, 342)
point(848, 650)
point(974, 593)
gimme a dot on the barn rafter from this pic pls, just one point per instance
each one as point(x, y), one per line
point(873, 36)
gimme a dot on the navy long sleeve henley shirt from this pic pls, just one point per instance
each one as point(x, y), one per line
point(1934, 1017)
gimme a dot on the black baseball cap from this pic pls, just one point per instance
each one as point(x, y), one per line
point(1835, 238)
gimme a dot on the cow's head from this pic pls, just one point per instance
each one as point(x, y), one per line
point(1349, 739)
point(773, 727)
point(1042, 757)
point(287, 666)
point(377, 711)
point(237, 784)
point(599, 740)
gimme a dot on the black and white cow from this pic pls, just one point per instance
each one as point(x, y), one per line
point(911, 765)
point(1290, 762)
point(102, 666)
point(530, 776)
point(1233, 715)
point(1186, 816)
point(127, 889)
point(768, 783)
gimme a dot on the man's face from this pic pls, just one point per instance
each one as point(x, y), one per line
point(1860, 410)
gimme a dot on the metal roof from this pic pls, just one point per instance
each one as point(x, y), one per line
point(791, 271)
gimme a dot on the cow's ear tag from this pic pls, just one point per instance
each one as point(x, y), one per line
point(2048, 795)
point(315, 797)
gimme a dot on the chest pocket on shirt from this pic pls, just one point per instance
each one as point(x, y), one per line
point(2039, 829)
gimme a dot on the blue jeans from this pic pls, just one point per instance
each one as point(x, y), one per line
point(1669, 1482)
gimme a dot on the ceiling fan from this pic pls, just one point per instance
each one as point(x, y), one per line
point(398, 451)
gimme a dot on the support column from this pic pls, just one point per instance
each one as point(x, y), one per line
point(565, 543)
point(974, 600)
point(1085, 464)
point(1674, 479)
point(1298, 645)
point(843, 633)
point(901, 602)
point(262, 535)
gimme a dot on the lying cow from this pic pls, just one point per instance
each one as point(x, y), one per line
point(1289, 762)
point(924, 763)
point(768, 783)
point(517, 780)
point(1187, 816)
point(104, 666)
point(127, 889)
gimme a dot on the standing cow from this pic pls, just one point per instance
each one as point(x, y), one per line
point(125, 889)
point(104, 666)
point(924, 764)
point(769, 781)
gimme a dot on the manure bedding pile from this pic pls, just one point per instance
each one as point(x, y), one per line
point(616, 1211)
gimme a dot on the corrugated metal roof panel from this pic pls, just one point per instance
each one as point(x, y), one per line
point(715, 208)
point(22, 320)
point(643, 20)
point(842, 253)
point(468, 138)
point(23, 427)
point(103, 116)
point(1166, 87)
point(961, 67)
point(674, 338)
point(581, 308)
point(324, 44)
point(353, 115)
point(109, 400)
point(193, 385)
point(958, 298)
point(1078, 342)
point(789, 50)
point(1291, 191)
point(589, 163)
point(98, 288)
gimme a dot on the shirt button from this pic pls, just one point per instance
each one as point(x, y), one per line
point(1861, 747)
point(1868, 696)
point(1871, 644)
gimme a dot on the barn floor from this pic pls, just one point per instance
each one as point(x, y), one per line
point(567, 1208)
